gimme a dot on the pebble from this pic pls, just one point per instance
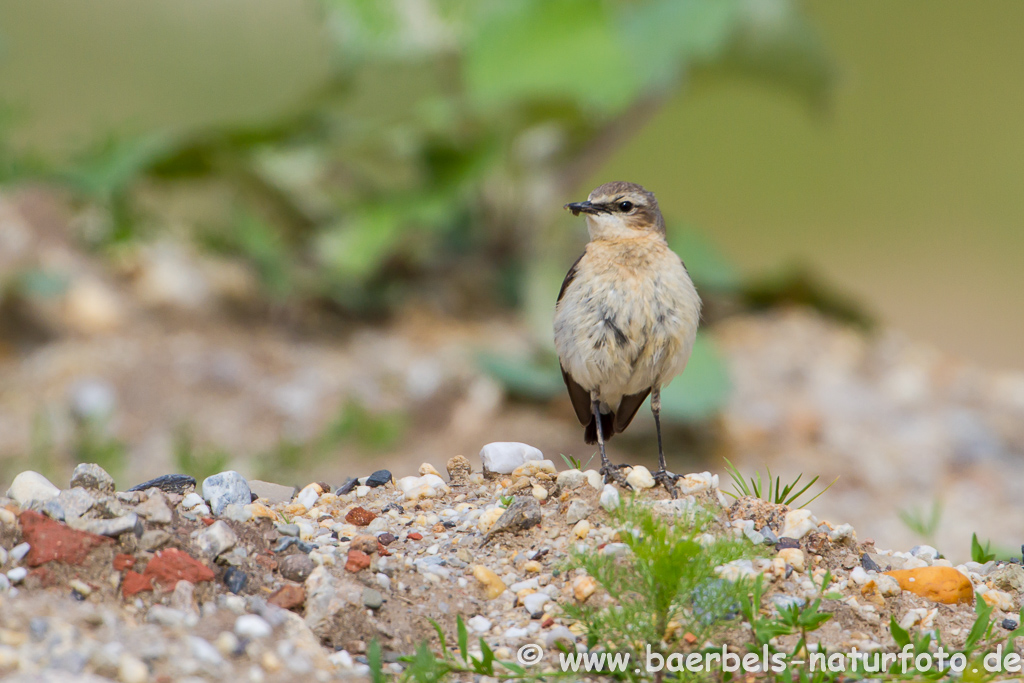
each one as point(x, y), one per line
point(383, 477)
point(225, 488)
point(1008, 577)
point(92, 477)
point(503, 457)
point(539, 492)
point(479, 624)
point(794, 557)
point(488, 518)
point(235, 579)
point(215, 539)
point(108, 527)
point(427, 486)
point(581, 529)
point(492, 583)
point(308, 496)
point(576, 511)
point(459, 470)
point(131, 669)
point(583, 587)
point(169, 483)
point(938, 584)
point(296, 567)
point(571, 479)
point(534, 603)
point(640, 477)
point(350, 484)
point(31, 486)
point(19, 552)
point(253, 627)
point(17, 574)
point(595, 479)
point(798, 523)
point(559, 634)
point(74, 502)
point(372, 598)
point(609, 497)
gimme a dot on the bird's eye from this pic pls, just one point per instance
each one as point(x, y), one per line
point(625, 206)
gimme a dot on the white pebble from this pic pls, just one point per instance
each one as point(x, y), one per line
point(534, 602)
point(595, 479)
point(610, 497)
point(191, 500)
point(131, 669)
point(503, 457)
point(29, 486)
point(17, 574)
point(252, 626)
point(798, 524)
point(19, 551)
point(539, 492)
point(308, 496)
point(640, 477)
point(362, 491)
point(479, 624)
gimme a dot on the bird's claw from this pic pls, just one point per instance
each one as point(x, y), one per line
point(612, 473)
point(668, 480)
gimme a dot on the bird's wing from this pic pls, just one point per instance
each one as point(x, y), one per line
point(569, 277)
point(628, 407)
point(580, 398)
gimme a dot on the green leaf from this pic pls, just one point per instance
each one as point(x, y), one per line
point(701, 390)
point(463, 638)
point(899, 634)
point(982, 623)
point(111, 166)
point(376, 662)
point(565, 50)
point(979, 553)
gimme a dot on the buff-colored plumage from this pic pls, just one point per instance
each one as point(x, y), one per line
point(626, 317)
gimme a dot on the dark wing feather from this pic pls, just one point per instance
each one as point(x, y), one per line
point(628, 407)
point(580, 398)
point(569, 277)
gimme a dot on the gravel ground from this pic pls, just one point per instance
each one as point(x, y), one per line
point(250, 581)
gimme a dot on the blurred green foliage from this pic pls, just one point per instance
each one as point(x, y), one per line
point(435, 157)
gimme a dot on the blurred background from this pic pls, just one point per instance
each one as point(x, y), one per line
point(307, 240)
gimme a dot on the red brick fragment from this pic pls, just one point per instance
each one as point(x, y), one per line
point(122, 562)
point(548, 622)
point(415, 536)
point(360, 516)
point(357, 561)
point(173, 565)
point(134, 583)
point(382, 550)
point(207, 520)
point(288, 596)
point(52, 541)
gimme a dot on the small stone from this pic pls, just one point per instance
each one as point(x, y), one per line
point(938, 584)
point(253, 627)
point(787, 542)
point(479, 624)
point(31, 486)
point(595, 479)
point(581, 529)
point(1008, 577)
point(532, 567)
point(363, 491)
point(380, 478)
point(560, 636)
point(350, 484)
point(493, 585)
point(156, 509)
point(19, 551)
point(504, 457)
point(459, 470)
point(386, 538)
point(92, 477)
point(270, 493)
point(296, 567)
point(17, 574)
point(640, 478)
point(539, 492)
point(798, 523)
point(235, 580)
point(308, 496)
point(357, 561)
point(226, 643)
point(794, 557)
point(153, 539)
point(172, 565)
point(488, 518)
point(609, 497)
point(997, 599)
point(534, 603)
point(360, 516)
point(427, 486)
point(583, 587)
point(1008, 624)
point(524, 513)
point(365, 543)
point(571, 479)
point(215, 539)
point(131, 669)
point(288, 597)
point(183, 597)
point(372, 598)
point(427, 468)
point(108, 527)
point(191, 500)
point(415, 536)
point(534, 468)
point(226, 488)
point(169, 483)
point(577, 510)
point(769, 536)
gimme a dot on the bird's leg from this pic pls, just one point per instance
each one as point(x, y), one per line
point(662, 476)
point(609, 471)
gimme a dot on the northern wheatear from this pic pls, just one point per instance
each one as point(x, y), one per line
point(626, 317)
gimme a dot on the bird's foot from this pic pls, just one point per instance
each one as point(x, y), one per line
point(613, 474)
point(668, 480)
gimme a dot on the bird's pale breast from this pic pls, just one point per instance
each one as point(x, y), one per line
point(628, 320)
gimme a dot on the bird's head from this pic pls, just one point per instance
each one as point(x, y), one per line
point(620, 210)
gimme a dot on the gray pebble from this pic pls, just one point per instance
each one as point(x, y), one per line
point(226, 488)
point(372, 598)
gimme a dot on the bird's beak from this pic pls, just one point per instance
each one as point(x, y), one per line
point(585, 207)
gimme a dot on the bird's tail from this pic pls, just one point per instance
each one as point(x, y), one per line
point(607, 428)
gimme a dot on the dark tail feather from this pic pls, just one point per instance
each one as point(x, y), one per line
point(607, 428)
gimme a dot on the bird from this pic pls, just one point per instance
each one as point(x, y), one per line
point(625, 320)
